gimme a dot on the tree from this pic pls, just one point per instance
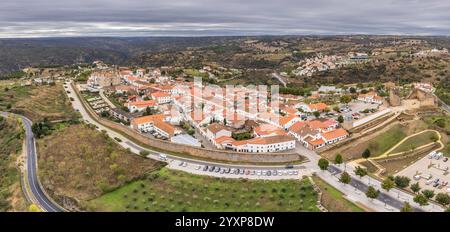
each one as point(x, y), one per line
point(361, 172)
point(340, 119)
point(34, 208)
point(428, 193)
point(443, 199)
point(366, 153)
point(387, 184)
point(316, 114)
point(352, 90)
point(421, 199)
point(323, 164)
point(346, 99)
point(401, 181)
point(372, 193)
point(406, 207)
point(345, 178)
point(338, 159)
point(415, 187)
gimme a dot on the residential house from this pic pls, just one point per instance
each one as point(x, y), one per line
point(141, 105)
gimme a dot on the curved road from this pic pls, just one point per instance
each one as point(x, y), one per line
point(38, 193)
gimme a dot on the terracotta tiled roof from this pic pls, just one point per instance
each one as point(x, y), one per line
point(318, 106)
point(216, 127)
point(160, 94)
point(142, 104)
point(330, 135)
point(284, 120)
point(148, 119)
point(267, 129)
point(169, 129)
point(223, 139)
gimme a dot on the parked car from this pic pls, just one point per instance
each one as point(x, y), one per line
point(212, 168)
point(436, 184)
point(445, 159)
point(242, 171)
point(205, 168)
point(289, 166)
point(198, 167)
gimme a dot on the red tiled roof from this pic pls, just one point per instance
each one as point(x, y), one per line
point(330, 135)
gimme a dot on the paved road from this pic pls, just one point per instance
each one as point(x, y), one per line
point(38, 193)
point(386, 201)
point(279, 78)
point(443, 105)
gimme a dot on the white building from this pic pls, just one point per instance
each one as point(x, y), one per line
point(264, 144)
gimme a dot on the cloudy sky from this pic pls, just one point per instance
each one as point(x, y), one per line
point(44, 18)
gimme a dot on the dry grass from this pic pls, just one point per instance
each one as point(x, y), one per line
point(81, 163)
point(333, 200)
point(393, 166)
point(11, 137)
point(38, 102)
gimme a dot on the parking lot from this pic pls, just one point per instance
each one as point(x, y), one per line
point(431, 172)
point(239, 172)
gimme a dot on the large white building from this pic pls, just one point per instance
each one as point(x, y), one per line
point(264, 144)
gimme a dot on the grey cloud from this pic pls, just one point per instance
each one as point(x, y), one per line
point(36, 18)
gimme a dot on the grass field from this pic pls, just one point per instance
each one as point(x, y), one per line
point(175, 191)
point(82, 163)
point(383, 142)
point(11, 139)
point(37, 102)
point(416, 141)
point(333, 200)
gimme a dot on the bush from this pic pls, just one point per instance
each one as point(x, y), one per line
point(144, 153)
point(402, 181)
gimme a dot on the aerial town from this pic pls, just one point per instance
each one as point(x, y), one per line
point(124, 137)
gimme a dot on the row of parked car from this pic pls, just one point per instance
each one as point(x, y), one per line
point(253, 172)
point(429, 180)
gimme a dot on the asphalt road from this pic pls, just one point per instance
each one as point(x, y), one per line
point(383, 197)
point(38, 193)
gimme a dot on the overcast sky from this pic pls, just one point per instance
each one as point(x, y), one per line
point(43, 18)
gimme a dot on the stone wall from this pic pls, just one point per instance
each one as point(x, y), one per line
point(222, 155)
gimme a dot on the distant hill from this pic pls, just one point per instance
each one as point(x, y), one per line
point(16, 54)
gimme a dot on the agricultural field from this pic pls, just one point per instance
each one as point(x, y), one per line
point(11, 140)
point(175, 191)
point(333, 200)
point(37, 102)
point(81, 163)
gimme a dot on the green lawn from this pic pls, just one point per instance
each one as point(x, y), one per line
point(175, 191)
point(384, 141)
point(333, 200)
point(416, 141)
